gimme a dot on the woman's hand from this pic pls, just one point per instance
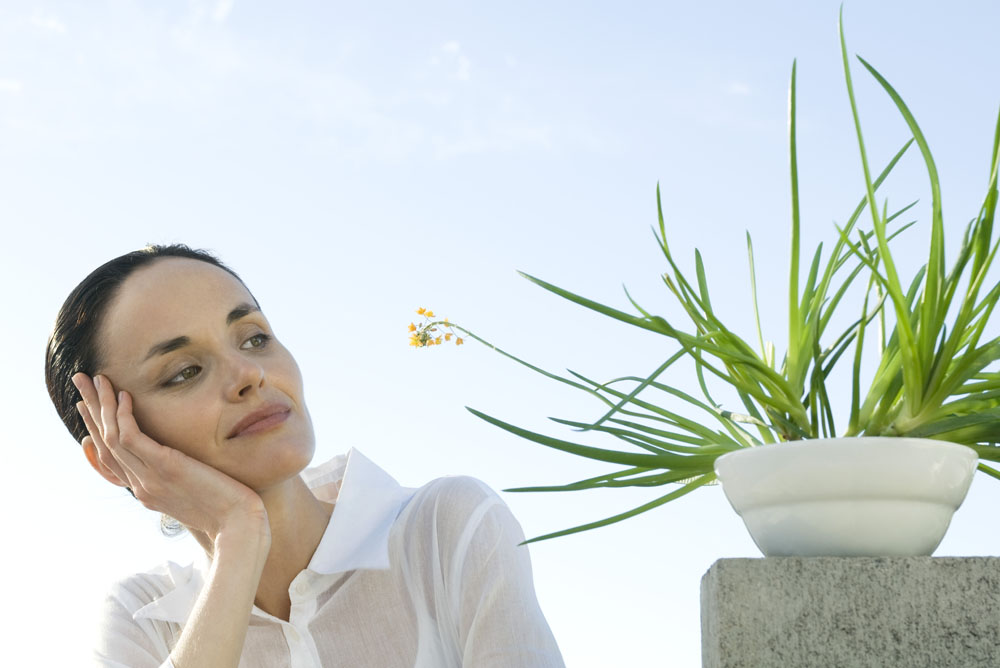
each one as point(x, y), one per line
point(227, 517)
point(162, 478)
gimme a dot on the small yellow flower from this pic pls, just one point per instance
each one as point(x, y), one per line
point(422, 336)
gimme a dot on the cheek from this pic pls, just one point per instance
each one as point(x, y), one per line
point(284, 373)
point(176, 424)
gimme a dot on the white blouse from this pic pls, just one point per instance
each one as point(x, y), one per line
point(416, 578)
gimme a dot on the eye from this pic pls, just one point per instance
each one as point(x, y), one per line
point(187, 373)
point(256, 341)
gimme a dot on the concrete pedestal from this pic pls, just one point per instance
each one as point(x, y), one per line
point(835, 612)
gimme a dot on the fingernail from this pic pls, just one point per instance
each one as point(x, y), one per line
point(97, 383)
point(120, 395)
point(79, 408)
point(76, 383)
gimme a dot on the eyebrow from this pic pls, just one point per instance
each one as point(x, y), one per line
point(241, 311)
point(164, 347)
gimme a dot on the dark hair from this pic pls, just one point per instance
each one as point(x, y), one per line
point(74, 347)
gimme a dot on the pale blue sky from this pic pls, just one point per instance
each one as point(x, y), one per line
point(356, 161)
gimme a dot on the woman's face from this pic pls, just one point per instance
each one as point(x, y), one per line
point(206, 374)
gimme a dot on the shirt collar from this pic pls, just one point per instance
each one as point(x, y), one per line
point(176, 604)
point(367, 502)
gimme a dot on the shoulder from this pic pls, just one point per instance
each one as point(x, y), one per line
point(456, 489)
point(453, 499)
point(166, 592)
point(140, 589)
point(452, 514)
point(141, 615)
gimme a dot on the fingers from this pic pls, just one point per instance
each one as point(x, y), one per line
point(130, 436)
point(98, 411)
point(108, 407)
point(90, 452)
point(88, 392)
point(103, 455)
point(89, 409)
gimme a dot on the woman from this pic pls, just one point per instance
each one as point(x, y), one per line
point(165, 370)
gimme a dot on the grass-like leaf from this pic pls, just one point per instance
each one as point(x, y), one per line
point(935, 373)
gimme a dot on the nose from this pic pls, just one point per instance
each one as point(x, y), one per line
point(246, 377)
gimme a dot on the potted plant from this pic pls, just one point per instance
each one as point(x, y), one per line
point(919, 424)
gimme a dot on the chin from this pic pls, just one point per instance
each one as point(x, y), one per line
point(277, 465)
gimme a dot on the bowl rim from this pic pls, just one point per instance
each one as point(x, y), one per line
point(849, 441)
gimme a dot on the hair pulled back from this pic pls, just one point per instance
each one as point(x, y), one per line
point(74, 346)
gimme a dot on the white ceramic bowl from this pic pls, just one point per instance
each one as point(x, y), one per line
point(872, 496)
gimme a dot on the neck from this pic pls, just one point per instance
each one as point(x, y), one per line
point(297, 520)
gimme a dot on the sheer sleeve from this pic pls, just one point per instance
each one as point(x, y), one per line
point(488, 582)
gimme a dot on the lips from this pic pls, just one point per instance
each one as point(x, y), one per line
point(263, 418)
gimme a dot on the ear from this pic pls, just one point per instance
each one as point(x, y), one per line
point(90, 452)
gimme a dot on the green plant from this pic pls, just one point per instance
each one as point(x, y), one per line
point(933, 377)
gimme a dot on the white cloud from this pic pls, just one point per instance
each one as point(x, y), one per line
point(195, 63)
point(10, 86)
point(738, 88)
point(48, 23)
point(437, 98)
point(216, 10)
point(222, 9)
point(449, 54)
point(464, 67)
point(492, 137)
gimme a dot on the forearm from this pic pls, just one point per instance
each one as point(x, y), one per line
point(214, 634)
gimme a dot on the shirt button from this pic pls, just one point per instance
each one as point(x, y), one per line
point(301, 589)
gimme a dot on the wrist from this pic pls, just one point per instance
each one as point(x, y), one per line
point(244, 535)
